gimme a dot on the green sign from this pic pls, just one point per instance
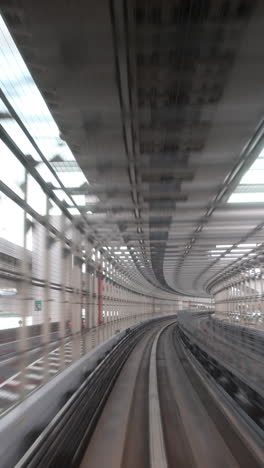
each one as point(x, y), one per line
point(38, 306)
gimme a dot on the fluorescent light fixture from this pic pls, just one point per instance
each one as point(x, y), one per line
point(215, 255)
point(216, 251)
point(233, 255)
point(247, 245)
point(89, 212)
point(224, 246)
point(123, 247)
point(8, 291)
point(240, 250)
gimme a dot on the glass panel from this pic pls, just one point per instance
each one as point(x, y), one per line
point(61, 195)
point(79, 199)
point(72, 179)
point(23, 94)
point(11, 221)
point(12, 171)
point(36, 196)
point(47, 175)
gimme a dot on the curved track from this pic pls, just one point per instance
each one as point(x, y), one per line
point(121, 436)
point(195, 431)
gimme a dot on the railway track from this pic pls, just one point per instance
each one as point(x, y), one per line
point(157, 412)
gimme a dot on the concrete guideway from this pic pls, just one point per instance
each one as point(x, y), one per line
point(65, 436)
point(120, 438)
point(158, 458)
point(174, 423)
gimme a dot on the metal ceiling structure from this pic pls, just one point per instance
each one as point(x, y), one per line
point(161, 103)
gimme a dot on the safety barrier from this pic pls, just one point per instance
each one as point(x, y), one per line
point(235, 367)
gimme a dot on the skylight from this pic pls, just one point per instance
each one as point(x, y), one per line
point(23, 95)
point(251, 186)
point(255, 197)
point(79, 199)
point(72, 179)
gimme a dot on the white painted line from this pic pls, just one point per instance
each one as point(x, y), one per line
point(5, 395)
point(37, 365)
point(10, 379)
point(34, 376)
point(158, 458)
point(13, 383)
point(36, 368)
point(30, 386)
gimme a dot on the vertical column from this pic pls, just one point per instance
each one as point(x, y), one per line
point(46, 309)
point(105, 306)
point(108, 301)
point(86, 297)
point(239, 295)
point(245, 298)
point(94, 307)
point(251, 292)
point(228, 300)
point(63, 276)
point(25, 295)
point(88, 287)
point(76, 294)
point(99, 295)
point(261, 290)
point(93, 298)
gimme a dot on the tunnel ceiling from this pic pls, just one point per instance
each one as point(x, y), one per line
point(159, 102)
